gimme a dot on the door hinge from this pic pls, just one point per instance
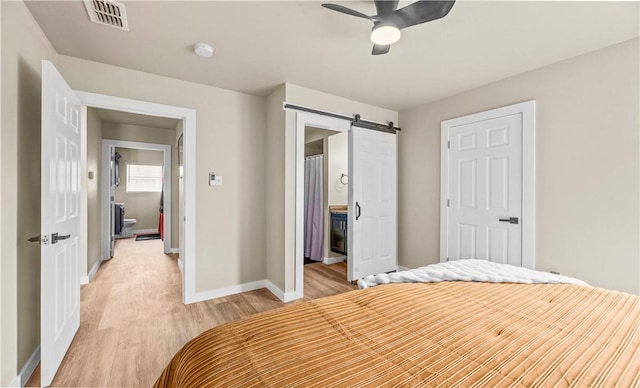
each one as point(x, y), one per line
point(448, 203)
point(449, 144)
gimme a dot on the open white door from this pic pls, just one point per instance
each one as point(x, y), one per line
point(372, 236)
point(60, 220)
point(112, 200)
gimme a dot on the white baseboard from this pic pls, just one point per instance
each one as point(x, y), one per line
point(144, 231)
point(333, 260)
point(225, 291)
point(275, 290)
point(27, 369)
point(180, 265)
point(283, 296)
point(174, 250)
point(402, 268)
point(87, 279)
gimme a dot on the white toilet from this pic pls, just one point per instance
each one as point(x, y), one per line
point(127, 228)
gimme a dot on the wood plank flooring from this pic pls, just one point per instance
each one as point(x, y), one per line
point(132, 319)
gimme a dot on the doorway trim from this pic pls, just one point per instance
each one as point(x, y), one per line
point(105, 241)
point(188, 117)
point(304, 119)
point(528, 111)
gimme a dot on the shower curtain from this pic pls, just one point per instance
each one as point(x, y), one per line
point(313, 208)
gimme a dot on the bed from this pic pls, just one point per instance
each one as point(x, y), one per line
point(466, 333)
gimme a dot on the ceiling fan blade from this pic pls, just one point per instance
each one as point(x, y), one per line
point(379, 49)
point(385, 7)
point(346, 10)
point(421, 11)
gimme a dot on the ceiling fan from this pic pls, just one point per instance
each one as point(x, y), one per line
point(390, 20)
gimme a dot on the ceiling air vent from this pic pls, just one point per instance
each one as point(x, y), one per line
point(107, 12)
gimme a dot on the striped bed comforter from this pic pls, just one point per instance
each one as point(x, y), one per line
point(447, 333)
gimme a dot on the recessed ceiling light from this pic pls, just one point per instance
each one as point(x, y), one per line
point(203, 50)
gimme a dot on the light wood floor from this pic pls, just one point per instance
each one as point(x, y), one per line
point(132, 319)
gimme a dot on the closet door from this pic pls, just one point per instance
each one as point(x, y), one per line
point(372, 233)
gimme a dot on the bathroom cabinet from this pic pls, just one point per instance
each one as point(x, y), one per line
point(339, 229)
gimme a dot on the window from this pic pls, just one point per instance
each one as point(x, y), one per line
point(144, 178)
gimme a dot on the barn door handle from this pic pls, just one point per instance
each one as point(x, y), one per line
point(55, 237)
point(358, 211)
point(511, 220)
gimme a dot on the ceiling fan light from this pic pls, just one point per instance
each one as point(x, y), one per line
point(385, 34)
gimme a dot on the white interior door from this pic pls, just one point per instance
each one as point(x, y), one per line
point(372, 236)
point(181, 217)
point(112, 199)
point(485, 190)
point(60, 220)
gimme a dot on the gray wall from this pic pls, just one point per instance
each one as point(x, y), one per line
point(23, 48)
point(587, 175)
point(274, 199)
point(94, 189)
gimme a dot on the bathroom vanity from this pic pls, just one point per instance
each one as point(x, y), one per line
point(339, 228)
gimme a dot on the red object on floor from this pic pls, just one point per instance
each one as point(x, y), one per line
point(161, 226)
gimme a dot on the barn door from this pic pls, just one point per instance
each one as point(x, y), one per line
point(372, 238)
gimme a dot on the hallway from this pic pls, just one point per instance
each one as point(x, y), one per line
point(133, 321)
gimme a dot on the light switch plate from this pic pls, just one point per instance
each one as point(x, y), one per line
point(215, 180)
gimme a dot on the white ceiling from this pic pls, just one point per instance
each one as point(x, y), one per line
point(114, 116)
point(261, 44)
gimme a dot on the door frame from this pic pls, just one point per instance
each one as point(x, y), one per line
point(106, 234)
point(304, 119)
point(186, 261)
point(528, 111)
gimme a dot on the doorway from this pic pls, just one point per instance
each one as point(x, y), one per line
point(326, 167)
point(186, 261)
point(487, 186)
point(371, 206)
point(137, 187)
